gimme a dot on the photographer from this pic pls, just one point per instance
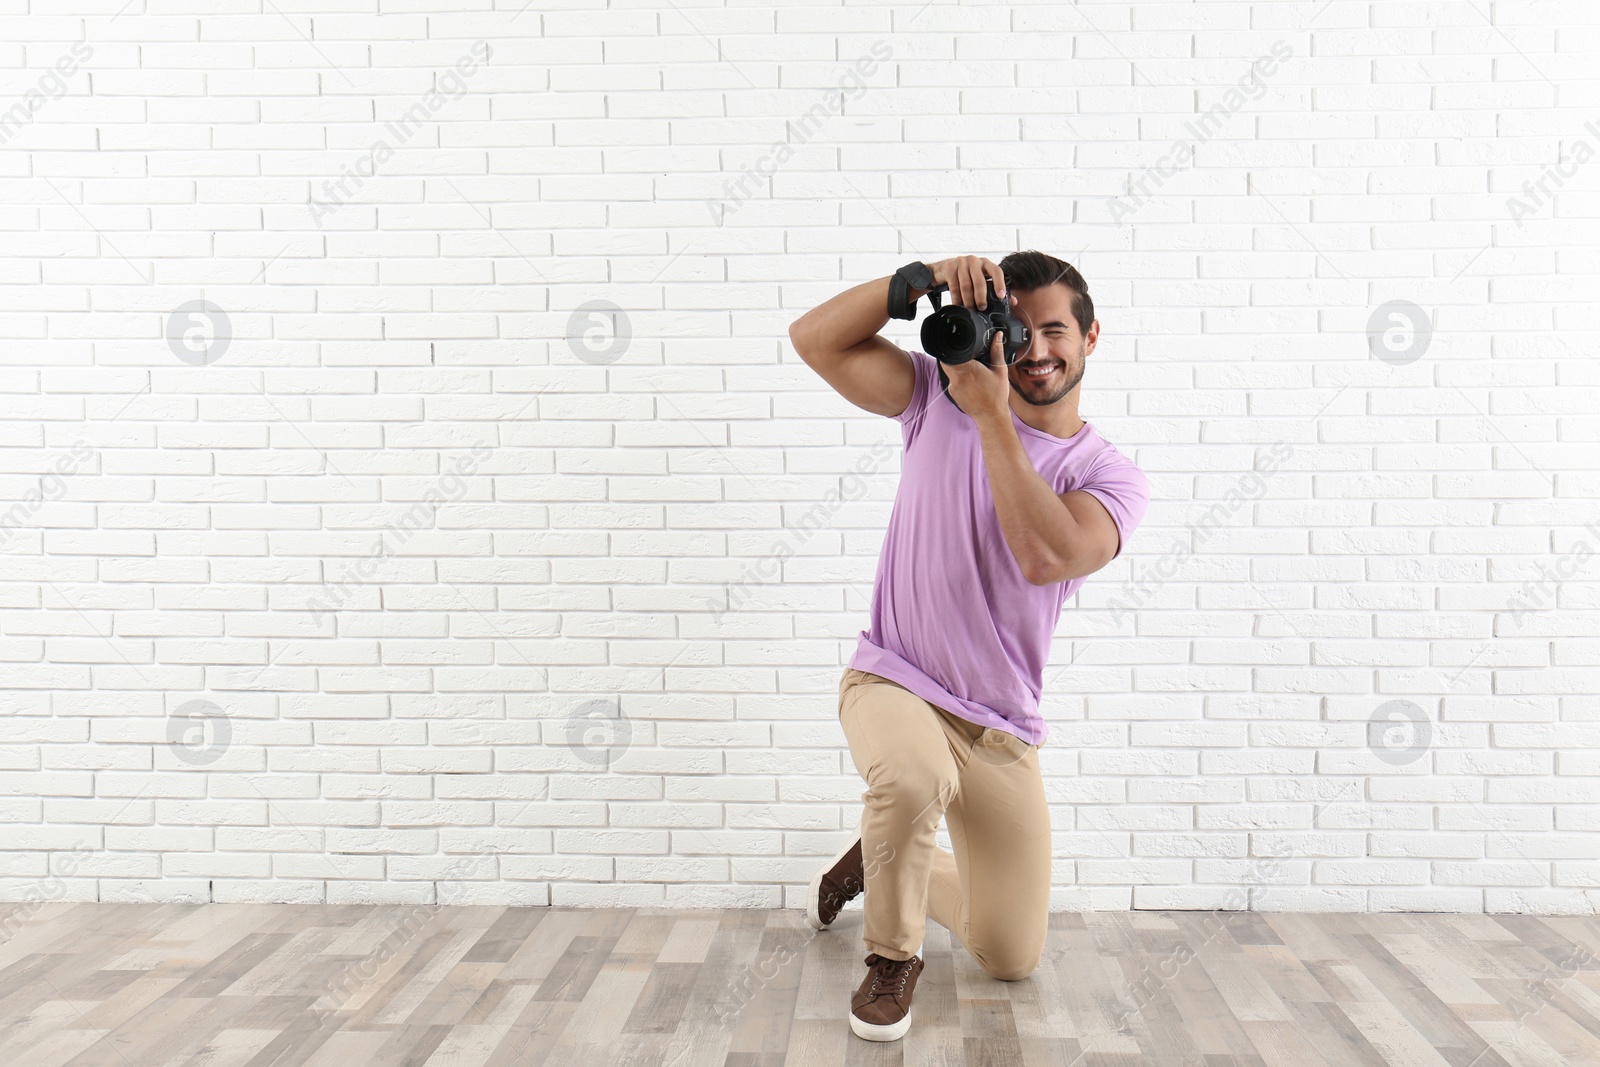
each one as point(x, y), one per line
point(1007, 501)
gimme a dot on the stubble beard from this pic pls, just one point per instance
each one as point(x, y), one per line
point(1073, 374)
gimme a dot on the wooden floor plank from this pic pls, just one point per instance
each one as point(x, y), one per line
point(126, 985)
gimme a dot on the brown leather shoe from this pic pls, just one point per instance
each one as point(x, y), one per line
point(881, 1008)
point(838, 881)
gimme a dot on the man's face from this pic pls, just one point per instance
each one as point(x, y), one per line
point(1057, 347)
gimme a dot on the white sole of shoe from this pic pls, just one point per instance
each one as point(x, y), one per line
point(814, 894)
point(874, 1032)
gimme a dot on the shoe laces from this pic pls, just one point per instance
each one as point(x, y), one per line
point(883, 969)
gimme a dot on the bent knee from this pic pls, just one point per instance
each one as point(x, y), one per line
point(1010, 968)
point(1010, 974)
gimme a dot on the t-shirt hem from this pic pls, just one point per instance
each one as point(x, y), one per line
point(874, 660)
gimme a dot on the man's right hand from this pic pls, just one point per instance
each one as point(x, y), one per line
point(965, 275)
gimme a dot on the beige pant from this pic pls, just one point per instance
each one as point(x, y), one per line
point(921, 763)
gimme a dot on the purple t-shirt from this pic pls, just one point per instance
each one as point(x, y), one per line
point(953, 619)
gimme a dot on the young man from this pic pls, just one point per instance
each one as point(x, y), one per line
point(1007, 502)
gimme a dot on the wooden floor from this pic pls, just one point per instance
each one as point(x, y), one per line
point(138, 985)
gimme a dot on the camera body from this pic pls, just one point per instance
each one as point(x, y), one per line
point(957, 334)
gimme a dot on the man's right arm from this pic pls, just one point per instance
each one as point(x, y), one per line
point(839, 339)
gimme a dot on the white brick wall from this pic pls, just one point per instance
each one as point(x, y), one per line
point(424, 511)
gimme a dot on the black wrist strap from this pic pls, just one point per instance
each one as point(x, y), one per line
point(900, 305)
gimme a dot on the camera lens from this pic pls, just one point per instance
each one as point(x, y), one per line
point(950, 335)
point(958, 336)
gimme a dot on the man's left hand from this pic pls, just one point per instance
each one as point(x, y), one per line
point(983, 390)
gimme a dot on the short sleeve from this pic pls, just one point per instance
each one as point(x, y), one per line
point(1121, 486)
point(922, 388)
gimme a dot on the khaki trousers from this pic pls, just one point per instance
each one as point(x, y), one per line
point(922, 764)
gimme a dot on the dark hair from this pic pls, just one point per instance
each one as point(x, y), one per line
point(1030, 270)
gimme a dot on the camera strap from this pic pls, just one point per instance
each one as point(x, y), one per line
point(944, 386)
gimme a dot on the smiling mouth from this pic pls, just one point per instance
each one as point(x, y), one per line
point(1039, 373)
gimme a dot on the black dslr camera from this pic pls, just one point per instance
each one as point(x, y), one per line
point(957, 334)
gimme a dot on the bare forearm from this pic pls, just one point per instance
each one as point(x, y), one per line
point(1037, 525)
point(857, 314)
point(846, 320)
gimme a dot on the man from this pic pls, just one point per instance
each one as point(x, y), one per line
point(1007, 502)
